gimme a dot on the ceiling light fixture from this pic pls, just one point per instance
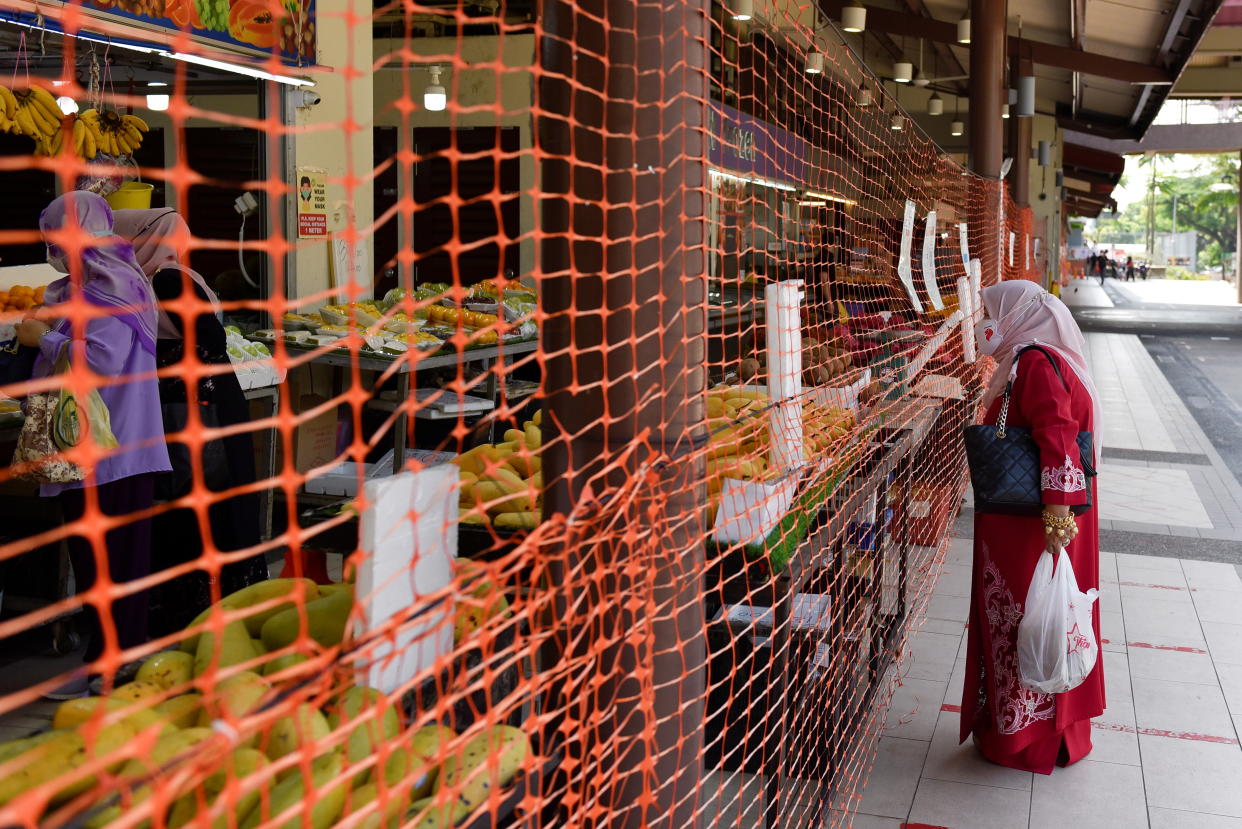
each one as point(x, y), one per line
point(67, 105)
point(435, 98)
point(1005, 111)
point(865, 98)
point(1026, 97)
point(854, 18)
point(963, 29)
point(897, 122)
point(814, 63)
point(935, 105)
point(903, 71)
point(157, 103)
point(156, 83)
point(743, 9)
point(957, 128)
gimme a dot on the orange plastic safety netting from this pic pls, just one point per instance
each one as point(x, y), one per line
point(565, 433)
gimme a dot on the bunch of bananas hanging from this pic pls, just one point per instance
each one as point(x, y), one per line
point(32, 112)
point(108, 132)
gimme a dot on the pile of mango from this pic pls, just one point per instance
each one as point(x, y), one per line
point(214, 722)
point(740, 441)
point(502, 484)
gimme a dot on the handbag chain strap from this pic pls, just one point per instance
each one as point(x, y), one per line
point(1003, 417)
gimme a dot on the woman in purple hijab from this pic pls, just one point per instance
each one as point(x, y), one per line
point(101, 271)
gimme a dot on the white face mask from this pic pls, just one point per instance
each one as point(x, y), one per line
point(57, 262)
point(988, 336)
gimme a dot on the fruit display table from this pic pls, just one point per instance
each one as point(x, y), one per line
point(491, 357)
point(819, 631)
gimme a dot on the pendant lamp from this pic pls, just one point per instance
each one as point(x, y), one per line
point(814, 63)
point(854, 18)
point(963, 29)
point(935, 105)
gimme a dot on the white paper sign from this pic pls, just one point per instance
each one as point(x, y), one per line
point(784, 346)
point(1011, 242)
point(408, 534)
point(348, 269)
point(961, 238)
point(749, 511)
point(929, 262)
point(976, 288)
point(933, 345)
point(905, 271)
point(965, 302)
point(1026, 251)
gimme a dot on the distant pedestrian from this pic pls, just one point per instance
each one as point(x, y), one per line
point(1129, 269)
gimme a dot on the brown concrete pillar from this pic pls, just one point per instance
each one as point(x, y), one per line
point(1020, 140)
point(621, 121)
point(987, 85)
point(987, 64)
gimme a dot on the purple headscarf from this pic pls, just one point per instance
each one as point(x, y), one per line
point(111, 276)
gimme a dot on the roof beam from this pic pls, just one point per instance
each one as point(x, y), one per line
point(1046, 54)
point(1150, 100)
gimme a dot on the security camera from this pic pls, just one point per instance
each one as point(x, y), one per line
point(304, 98)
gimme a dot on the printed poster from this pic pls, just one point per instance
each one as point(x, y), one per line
point(312, 196)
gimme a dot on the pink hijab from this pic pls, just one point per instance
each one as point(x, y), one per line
point(1026, 314)
point(81, 223)
point(160, 238)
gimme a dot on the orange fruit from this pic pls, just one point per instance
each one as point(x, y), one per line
point(20, 290)
point(22, 303)
point(38, 294)
point(4, 297)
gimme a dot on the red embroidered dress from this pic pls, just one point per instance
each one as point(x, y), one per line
point(1015, 727)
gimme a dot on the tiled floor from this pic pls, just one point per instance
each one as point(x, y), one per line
point(1166, 751)
point(1161, 474)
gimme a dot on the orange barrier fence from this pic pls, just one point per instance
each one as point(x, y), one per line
point(600, 479)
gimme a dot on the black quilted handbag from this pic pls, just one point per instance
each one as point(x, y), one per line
point(1005, 462)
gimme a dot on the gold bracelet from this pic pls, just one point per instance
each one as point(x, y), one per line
point(1059, 526)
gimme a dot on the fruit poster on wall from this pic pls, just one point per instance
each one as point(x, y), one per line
point(264, 26)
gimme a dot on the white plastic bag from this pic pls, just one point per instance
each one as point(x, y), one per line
point(1056, 642)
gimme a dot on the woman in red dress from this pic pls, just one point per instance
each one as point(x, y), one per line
point(1056, 399)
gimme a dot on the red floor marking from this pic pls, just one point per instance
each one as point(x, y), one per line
point(948, 706)
point(1153, 586)
point(1160, 732)
point(1177, 648)
point(921, 826)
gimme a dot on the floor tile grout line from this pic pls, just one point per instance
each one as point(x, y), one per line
point(1219, 684)
point(1133, 705)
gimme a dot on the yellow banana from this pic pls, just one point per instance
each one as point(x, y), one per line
point(9, 102)
point(137, 122)
point(79, 135)
point(132, 135)
point(123, 145)
point(38, 115)
point(26, 123)
point(47, 105)
point(89, 148)
point(44, 97)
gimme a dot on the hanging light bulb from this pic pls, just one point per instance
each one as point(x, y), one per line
point(1045, 153)
point(434, 96)
point(897, 122)
point(935, 105)
point(963, 29)
point(1005, 111)
point(854, 18)
point(864, 95)
point(957, 128)
point(743, 9)
point(1026, 96)
point(903, 71)
point(157, 103)
point(814, 63)
point(67, 105)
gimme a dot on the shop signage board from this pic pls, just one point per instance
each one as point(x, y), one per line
point(312, 196)
point(742, 144)
point(245, 27)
